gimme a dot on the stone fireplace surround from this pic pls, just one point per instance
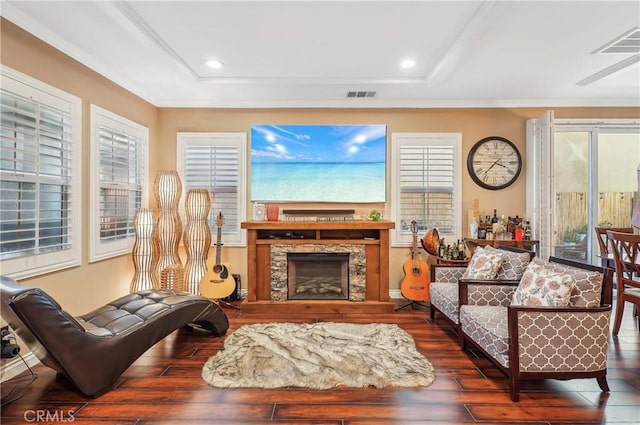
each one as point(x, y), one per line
point(357, 267)
point(366, 241)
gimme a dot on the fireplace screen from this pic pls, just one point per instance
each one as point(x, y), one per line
point(321, 276)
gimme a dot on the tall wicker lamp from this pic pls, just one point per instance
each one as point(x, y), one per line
point(167, 188)
point(197, 237)
point(145, 251)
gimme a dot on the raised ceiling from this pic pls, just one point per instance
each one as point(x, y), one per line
point(313, 53)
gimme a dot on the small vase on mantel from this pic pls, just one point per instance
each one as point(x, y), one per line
point(167, 188)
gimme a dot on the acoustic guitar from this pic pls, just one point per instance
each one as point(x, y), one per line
point(415, 284)
point(217, 282)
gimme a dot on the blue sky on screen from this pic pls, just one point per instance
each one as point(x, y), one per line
point(318, 143)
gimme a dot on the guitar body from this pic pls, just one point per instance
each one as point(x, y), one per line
point(218, 282)
point(415, 284)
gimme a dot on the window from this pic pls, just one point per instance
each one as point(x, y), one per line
point(119, 176)
point(217, 162)
point(40, 177)
point(426, 184)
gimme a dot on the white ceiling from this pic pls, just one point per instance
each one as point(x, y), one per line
point(311, 53)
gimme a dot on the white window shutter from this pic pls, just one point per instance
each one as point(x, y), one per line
point(217, 162)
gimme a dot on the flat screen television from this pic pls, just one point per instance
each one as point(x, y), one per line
point(318, 163)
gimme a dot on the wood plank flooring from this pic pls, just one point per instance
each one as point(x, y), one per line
point(164, 387)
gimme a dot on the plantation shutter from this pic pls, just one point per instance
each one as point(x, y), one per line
point(121, 174)
point(215, 168)
point(35, 162)
point(427, 187)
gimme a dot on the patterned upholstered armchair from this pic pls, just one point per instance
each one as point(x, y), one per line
point(444, 280)
point(564, 340)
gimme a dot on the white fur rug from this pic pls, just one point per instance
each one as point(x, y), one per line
point(318, 356)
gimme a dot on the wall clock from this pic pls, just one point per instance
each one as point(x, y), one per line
point(494, 163)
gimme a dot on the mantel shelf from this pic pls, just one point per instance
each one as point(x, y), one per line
point(321, 225)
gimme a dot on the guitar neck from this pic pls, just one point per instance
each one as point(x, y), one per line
point(219, 246)
point(414, 248)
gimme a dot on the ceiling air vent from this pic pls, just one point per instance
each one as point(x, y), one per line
point(361, 94)
point(629, 42)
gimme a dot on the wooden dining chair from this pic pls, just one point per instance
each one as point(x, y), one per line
point(626, 249)
point(603, 242)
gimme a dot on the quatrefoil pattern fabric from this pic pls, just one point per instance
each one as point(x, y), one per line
point(488, 326)
point(563, 341)
point(444, 290)
point(514, 263)
point(444, 297)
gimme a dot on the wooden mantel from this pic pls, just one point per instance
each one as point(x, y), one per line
point(373, 235)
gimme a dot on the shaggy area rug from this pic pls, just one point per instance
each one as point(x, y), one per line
point(318, 356)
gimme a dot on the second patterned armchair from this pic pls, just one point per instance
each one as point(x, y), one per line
point(553, 324)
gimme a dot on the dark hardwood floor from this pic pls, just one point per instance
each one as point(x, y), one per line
point(164, 386)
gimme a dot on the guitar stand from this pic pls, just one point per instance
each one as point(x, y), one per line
point(411, 304)
point(225, 304)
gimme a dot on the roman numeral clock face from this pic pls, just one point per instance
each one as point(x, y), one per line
point(494, 163)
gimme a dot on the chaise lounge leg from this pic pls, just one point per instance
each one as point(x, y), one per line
point(602, 382)
point(432, 312)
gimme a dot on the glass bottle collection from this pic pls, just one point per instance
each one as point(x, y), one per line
point(453, 251)
point(494, 227)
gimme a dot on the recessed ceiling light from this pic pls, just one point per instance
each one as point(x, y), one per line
point(407, 64)
point(214, 64)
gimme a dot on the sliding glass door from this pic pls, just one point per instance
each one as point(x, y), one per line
point(595, 168)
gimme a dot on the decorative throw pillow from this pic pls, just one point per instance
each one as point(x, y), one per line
point(484, 264)
point(542, 286)
point(514, 264)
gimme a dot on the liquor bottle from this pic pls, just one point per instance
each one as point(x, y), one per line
point(442, 249)
point(473, 229)
point(495, 224)
point(461, 253)
point(454, 251)
point(495, 218)
point(518, 233)
point(527, 231)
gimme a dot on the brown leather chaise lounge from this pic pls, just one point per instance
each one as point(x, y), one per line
point(94, 349)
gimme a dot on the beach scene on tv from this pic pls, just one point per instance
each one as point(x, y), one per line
point(318, 163)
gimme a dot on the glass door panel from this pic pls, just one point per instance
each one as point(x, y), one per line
point(617, 180)
point(571, 237)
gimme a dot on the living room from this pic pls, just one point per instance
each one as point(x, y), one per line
point(91, 283)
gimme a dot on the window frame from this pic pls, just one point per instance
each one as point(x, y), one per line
point(100, 117)
point(238, 237)
point(37, 264)
point(400, 238)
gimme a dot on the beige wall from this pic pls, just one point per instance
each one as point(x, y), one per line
point(90, 285)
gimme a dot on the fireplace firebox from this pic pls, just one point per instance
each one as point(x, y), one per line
point(318, 276)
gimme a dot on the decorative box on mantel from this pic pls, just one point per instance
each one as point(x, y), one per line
point(366, 271)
